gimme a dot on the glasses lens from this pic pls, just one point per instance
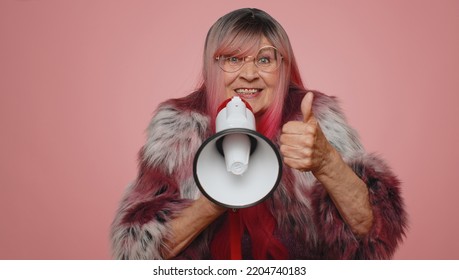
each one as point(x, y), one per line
point(230, 63)
point(267, 59)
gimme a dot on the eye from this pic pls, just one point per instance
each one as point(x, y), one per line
point(233, 60)
point(264, 60)
point(266, 56)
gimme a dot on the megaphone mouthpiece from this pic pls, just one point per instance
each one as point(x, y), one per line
point(235, 114)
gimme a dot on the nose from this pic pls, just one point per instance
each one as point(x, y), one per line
point(249, 70)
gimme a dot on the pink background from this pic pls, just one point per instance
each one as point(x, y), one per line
point(79, 81)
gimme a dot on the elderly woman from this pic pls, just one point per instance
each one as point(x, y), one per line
point(334, 200)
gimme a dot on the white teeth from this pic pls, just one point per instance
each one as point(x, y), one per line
point(247, 90)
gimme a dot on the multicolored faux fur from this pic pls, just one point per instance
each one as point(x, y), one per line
point(307, 223)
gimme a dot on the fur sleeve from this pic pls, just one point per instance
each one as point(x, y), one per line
point(390, 221)
point(163, 187)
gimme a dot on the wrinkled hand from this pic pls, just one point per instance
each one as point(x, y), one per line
point(303, 143)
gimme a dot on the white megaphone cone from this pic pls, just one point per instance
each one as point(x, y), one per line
point(237, 167)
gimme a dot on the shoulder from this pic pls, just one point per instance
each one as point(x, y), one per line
point(177, 114)
point(323, 105)
point(177, 127)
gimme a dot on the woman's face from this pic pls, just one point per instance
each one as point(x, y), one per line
point(252, 84)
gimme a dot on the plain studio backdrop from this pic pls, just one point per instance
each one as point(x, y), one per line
point(80, 80)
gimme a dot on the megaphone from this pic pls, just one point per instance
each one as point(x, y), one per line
point(237, 167)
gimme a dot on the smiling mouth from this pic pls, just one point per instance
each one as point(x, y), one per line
point(247, 91)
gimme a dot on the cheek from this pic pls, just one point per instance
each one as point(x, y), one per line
point(228, 80)
point(271, 80)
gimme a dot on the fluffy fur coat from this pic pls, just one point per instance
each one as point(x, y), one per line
point(307, 222)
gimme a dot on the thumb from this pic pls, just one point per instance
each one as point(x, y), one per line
point(306, 106)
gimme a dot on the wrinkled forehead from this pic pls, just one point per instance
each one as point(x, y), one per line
point(242, 43)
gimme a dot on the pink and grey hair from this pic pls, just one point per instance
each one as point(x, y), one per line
point(240, 32)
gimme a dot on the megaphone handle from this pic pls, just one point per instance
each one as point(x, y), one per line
point(235, 234)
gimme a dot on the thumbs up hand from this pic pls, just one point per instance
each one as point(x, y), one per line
point(303, 144)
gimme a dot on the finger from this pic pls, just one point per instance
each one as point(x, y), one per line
point(306, 107)
point(297, 141)
point(295, 153)
point(299, 129)
point(294, 127)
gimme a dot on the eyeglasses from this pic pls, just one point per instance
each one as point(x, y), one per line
point(267, 60)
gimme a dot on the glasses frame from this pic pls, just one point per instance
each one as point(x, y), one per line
point(253, 58)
